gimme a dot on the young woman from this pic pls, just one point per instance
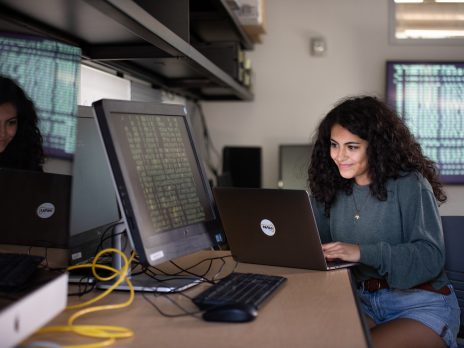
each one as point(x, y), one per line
point(376, 196)
point(20, 138)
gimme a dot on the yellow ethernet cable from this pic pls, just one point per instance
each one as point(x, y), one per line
point(106, 332)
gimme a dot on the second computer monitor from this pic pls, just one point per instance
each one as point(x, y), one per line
point(162, 187)
point(294, 162)
point(94, 207)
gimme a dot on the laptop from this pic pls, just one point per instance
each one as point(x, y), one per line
point(34, 208)
point(23, 312)
point(272, 227)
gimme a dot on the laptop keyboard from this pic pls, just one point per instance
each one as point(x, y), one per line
point(334, 264)
point(243, 288)
point(16, 270)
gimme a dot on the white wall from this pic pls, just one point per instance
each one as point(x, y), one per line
point(95, 85)
point(294, 90)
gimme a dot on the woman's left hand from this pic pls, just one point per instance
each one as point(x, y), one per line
point(342, 251)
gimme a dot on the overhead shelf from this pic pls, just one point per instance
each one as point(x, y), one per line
point(151, 40)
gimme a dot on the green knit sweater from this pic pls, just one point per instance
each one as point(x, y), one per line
point(400, 239)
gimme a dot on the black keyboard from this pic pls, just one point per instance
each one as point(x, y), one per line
point(243, 288)
point(16, 270)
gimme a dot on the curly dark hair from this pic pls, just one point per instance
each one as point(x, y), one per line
point(25, 149)
point(391, 150)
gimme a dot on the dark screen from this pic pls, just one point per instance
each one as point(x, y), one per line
point(243, 165)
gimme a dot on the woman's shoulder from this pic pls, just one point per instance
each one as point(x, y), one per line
point(409, 181)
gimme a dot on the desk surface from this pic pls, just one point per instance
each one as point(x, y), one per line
point(313, 309)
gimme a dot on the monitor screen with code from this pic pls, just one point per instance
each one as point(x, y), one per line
point(48, 71)
point(430, 98)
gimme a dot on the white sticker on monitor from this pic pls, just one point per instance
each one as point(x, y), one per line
point(268, 227)
point(76, 256)
point(156, 256)
point(45, 210)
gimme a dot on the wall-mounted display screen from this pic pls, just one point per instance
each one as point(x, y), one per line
point(430, 98)
point(48, 71)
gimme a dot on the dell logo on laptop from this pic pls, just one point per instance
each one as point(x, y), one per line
point(45, 210)
point(267, 227)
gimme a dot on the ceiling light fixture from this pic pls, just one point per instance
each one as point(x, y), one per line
point(408, 1)
point(430, 34)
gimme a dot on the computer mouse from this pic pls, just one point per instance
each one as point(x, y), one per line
point(231, 313)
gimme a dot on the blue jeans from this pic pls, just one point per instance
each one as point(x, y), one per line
point(438, 312)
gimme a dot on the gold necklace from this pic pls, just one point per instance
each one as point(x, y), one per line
point(357, 211)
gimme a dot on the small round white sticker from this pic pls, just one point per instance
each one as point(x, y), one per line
point(45, 210)
point(268, 227)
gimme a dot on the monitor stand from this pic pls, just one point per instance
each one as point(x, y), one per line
point(144, 282)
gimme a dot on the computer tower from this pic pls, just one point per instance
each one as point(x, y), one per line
point(243, 165)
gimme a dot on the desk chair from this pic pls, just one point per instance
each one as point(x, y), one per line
point(453, 231)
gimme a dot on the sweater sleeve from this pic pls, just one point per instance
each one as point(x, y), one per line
point(419, 257)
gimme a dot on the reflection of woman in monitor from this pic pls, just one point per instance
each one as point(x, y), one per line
point(20, 138)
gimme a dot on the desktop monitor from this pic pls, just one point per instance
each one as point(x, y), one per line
point(94, 207)
point(162, 188)
point(293, 165)
point(429, 97)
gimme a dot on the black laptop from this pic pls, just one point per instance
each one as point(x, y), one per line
point(34, 208)
point(272, 227)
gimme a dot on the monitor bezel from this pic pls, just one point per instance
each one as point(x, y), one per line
point(172, 243)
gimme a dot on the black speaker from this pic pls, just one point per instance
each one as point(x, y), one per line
point(242, 164)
